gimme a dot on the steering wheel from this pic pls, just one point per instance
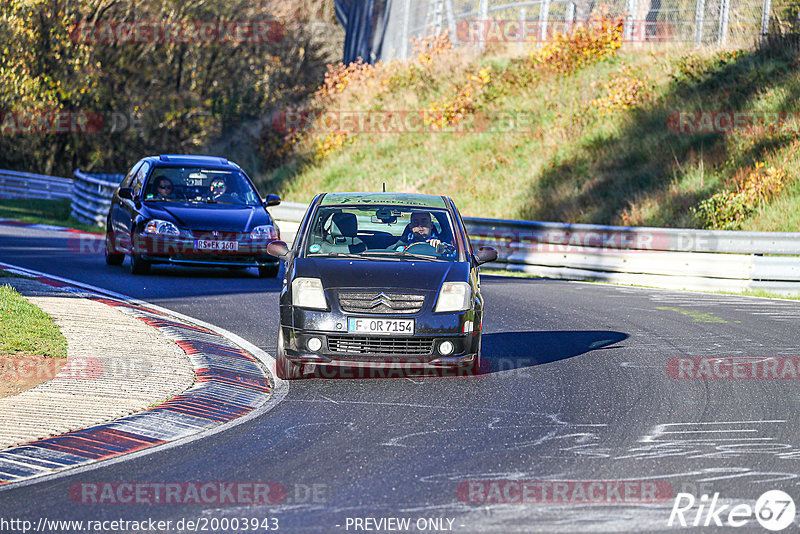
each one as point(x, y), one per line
point(422, 243)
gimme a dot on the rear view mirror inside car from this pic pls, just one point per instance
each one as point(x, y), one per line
point(385, 216)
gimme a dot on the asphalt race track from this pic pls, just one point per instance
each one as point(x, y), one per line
point(577, 387)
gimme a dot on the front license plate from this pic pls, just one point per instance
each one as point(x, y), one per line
point(203, 244)
point(364, 325)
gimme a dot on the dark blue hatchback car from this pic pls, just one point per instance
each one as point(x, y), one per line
point(190, 210)
point(380, 280)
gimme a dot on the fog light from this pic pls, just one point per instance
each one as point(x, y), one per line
point(314, 344)
point(445, 348)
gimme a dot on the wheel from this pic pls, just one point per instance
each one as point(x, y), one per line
point(139, 265)
point(269, 271)
point(112, 257)
point(285, 369)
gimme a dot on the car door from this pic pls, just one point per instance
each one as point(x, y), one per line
point(129, 209)
point(113, 223)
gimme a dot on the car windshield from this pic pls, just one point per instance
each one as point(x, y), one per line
point(382, 232)
point(197, 184)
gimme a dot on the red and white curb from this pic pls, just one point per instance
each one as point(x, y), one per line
point(232, 386)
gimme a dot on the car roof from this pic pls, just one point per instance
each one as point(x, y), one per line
point(405, 199)
point(188, 159)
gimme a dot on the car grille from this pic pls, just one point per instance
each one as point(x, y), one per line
point(379, 302)
point(404, 346)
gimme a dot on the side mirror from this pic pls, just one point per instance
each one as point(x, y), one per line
point(125, 192)
point(485, 255)
point(272, 200)
point(278, 249)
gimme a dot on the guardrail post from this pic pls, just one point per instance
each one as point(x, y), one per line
point(630, 9)
point(451, 20)
point(521, 39)
point(569, 18)
point(544, 13)
point(484, 17)
point(765, 12)
point(699, 15)
point(725, 11)
point(406, 17)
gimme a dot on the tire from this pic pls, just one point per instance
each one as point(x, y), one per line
point(269, 271)
point(139, 265)
point(284, 369)
point(112, 257)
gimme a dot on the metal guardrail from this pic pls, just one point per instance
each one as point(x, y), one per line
point(15, 184)
point(662, 257)
point(91, 196)
point(288, 211)
point(703, 260)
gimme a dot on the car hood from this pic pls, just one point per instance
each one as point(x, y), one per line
point(407, 274)
point(215, 217)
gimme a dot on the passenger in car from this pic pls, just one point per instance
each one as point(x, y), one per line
point(220, 191)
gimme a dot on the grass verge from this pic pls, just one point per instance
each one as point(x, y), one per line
point(633, 137)
point(40, 211)
point(27, 330)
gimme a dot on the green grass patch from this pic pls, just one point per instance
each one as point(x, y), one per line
point(40, 211)
point(27, 330)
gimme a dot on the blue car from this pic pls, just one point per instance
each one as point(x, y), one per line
point(197, 211)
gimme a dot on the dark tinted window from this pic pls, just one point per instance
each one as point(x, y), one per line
point(199, 184)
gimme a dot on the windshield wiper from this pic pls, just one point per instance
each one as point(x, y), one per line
point(348, 255)
point(403, 254)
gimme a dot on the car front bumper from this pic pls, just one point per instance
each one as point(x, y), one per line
point(341, 348)
point(179, 250)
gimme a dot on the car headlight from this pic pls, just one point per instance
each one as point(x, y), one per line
point(454, 296)
point(266, 232)
point(157, 226)
point(308, 293)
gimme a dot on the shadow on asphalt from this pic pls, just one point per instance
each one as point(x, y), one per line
point(504, 351)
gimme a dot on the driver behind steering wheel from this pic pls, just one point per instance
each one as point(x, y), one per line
point(421, 230)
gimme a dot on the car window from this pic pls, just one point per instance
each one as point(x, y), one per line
point(139, 179)
point(198, 184)
point(470, 248)
point(398, 231)
point(126, 182)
